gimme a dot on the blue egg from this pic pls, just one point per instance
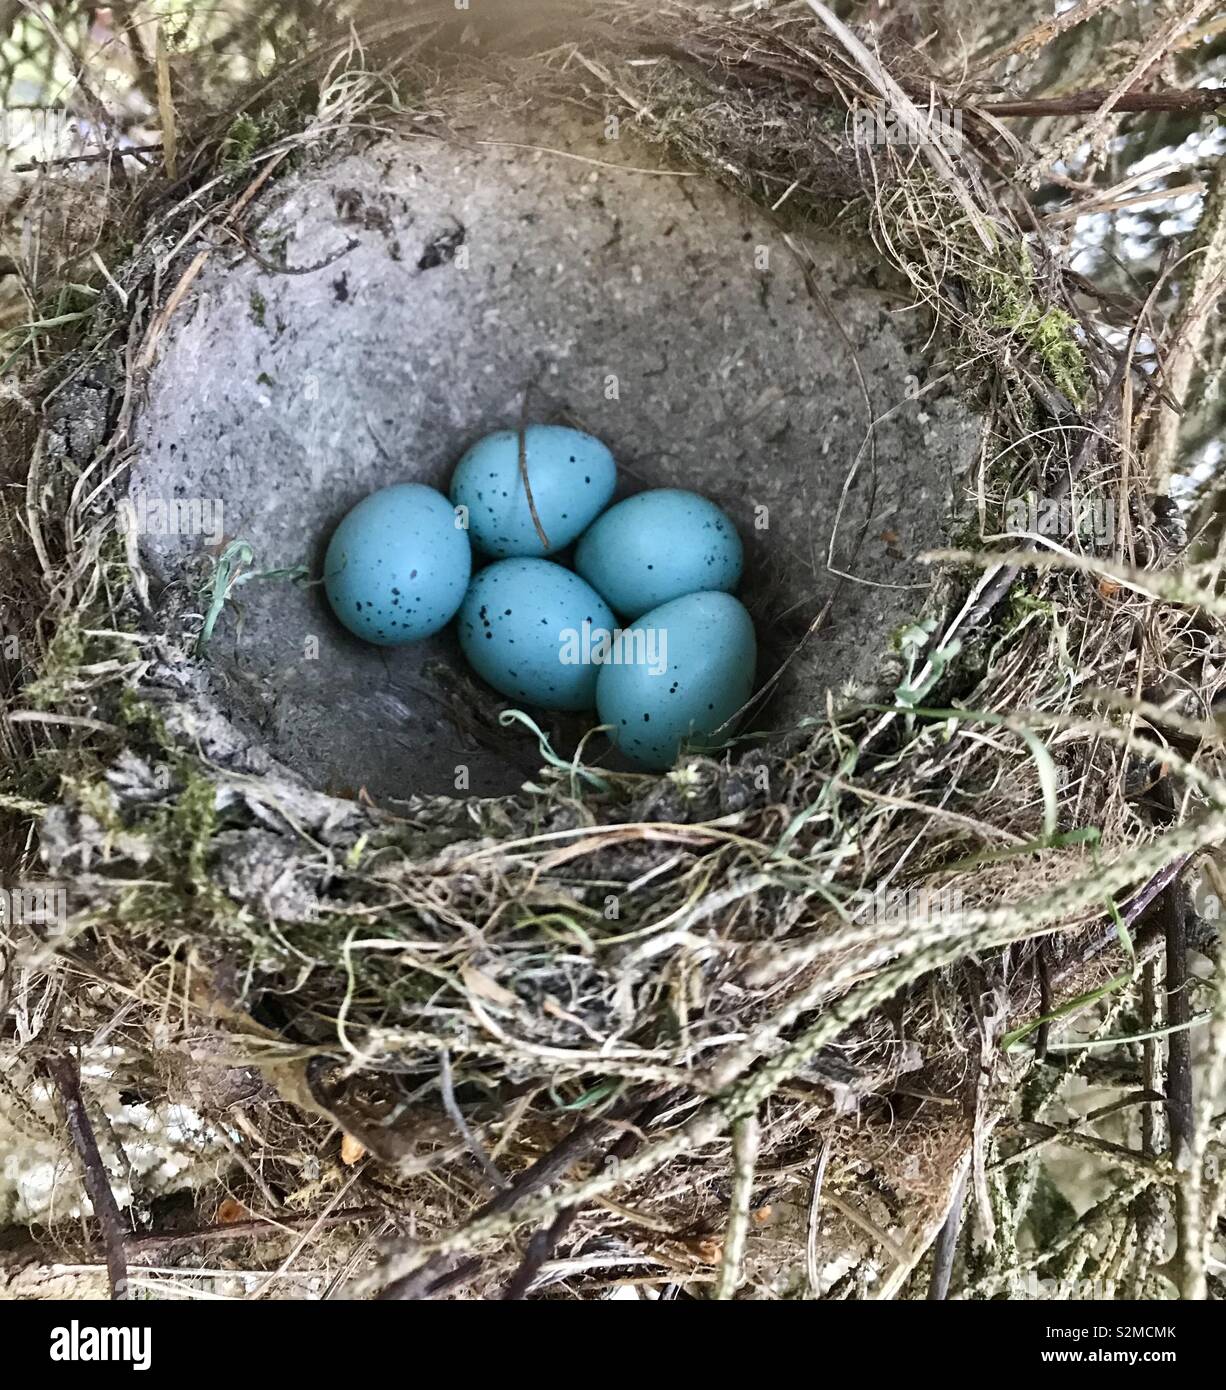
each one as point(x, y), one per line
point(398, 565)
point(572, 477)
point(534, 631)
point(656, 546)
point(676, 675)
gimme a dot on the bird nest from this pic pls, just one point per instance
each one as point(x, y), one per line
point(748, 1025)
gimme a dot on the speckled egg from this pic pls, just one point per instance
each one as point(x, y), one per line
point(398, 565)
point(677, 674)
point(532, 630)
point(571, 475)
point(655, 547)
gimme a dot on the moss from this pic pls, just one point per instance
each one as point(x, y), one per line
point(251, 133)
point(242, 143)
point(97, 800)
point(134, 712)
point(1022, 604)
point(193, 822)
point(259, 308)
point(1008, 301)
point(65, 654)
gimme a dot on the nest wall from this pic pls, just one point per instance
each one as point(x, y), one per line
point(443, 983)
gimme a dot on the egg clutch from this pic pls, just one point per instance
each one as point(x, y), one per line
point(644, 629)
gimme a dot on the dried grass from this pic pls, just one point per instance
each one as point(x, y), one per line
point(652, 1084)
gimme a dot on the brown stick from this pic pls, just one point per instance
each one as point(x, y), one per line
point(249, 1230)
point(1151, 1064)
point(1180, 1113)
point(540, 1248)
point(255, 1229)
point(66, 1075)
point(545, 1241)
point(166, 107)
point(1197, 99)
point(128, 152)
point(439, 1273)
point(1043, 965)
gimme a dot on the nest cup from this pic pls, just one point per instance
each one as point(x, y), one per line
point(445, 982)
point(554, 267)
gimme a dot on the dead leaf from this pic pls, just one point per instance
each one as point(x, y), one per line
point(555, 1010)
point(639, 833)
point(480, 984)
point(230, 1212)
point(708, 1249)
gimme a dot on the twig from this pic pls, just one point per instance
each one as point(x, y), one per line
point(746, 1137)
point(166, 107)
point(124, 153)
point(947, 1243)
point(1180, 1116)
point(1193, 100)
point(540, 1247)
point(1043, 966)
point(94, 104)
point(1150, 53)
point(1209, 1125)
point(490, 1169)
point(275, 269)
point(1151, 1066)
point(248, 1230)
point(544, 1242)
point(137, 1246)
point(1042, 34)
point(1045, 1134)
point(811, 1223)
point(1198, 299)
point(439, 1272)
point(66, 1076)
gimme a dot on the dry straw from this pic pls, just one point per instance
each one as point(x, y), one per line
point(532, 1095)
